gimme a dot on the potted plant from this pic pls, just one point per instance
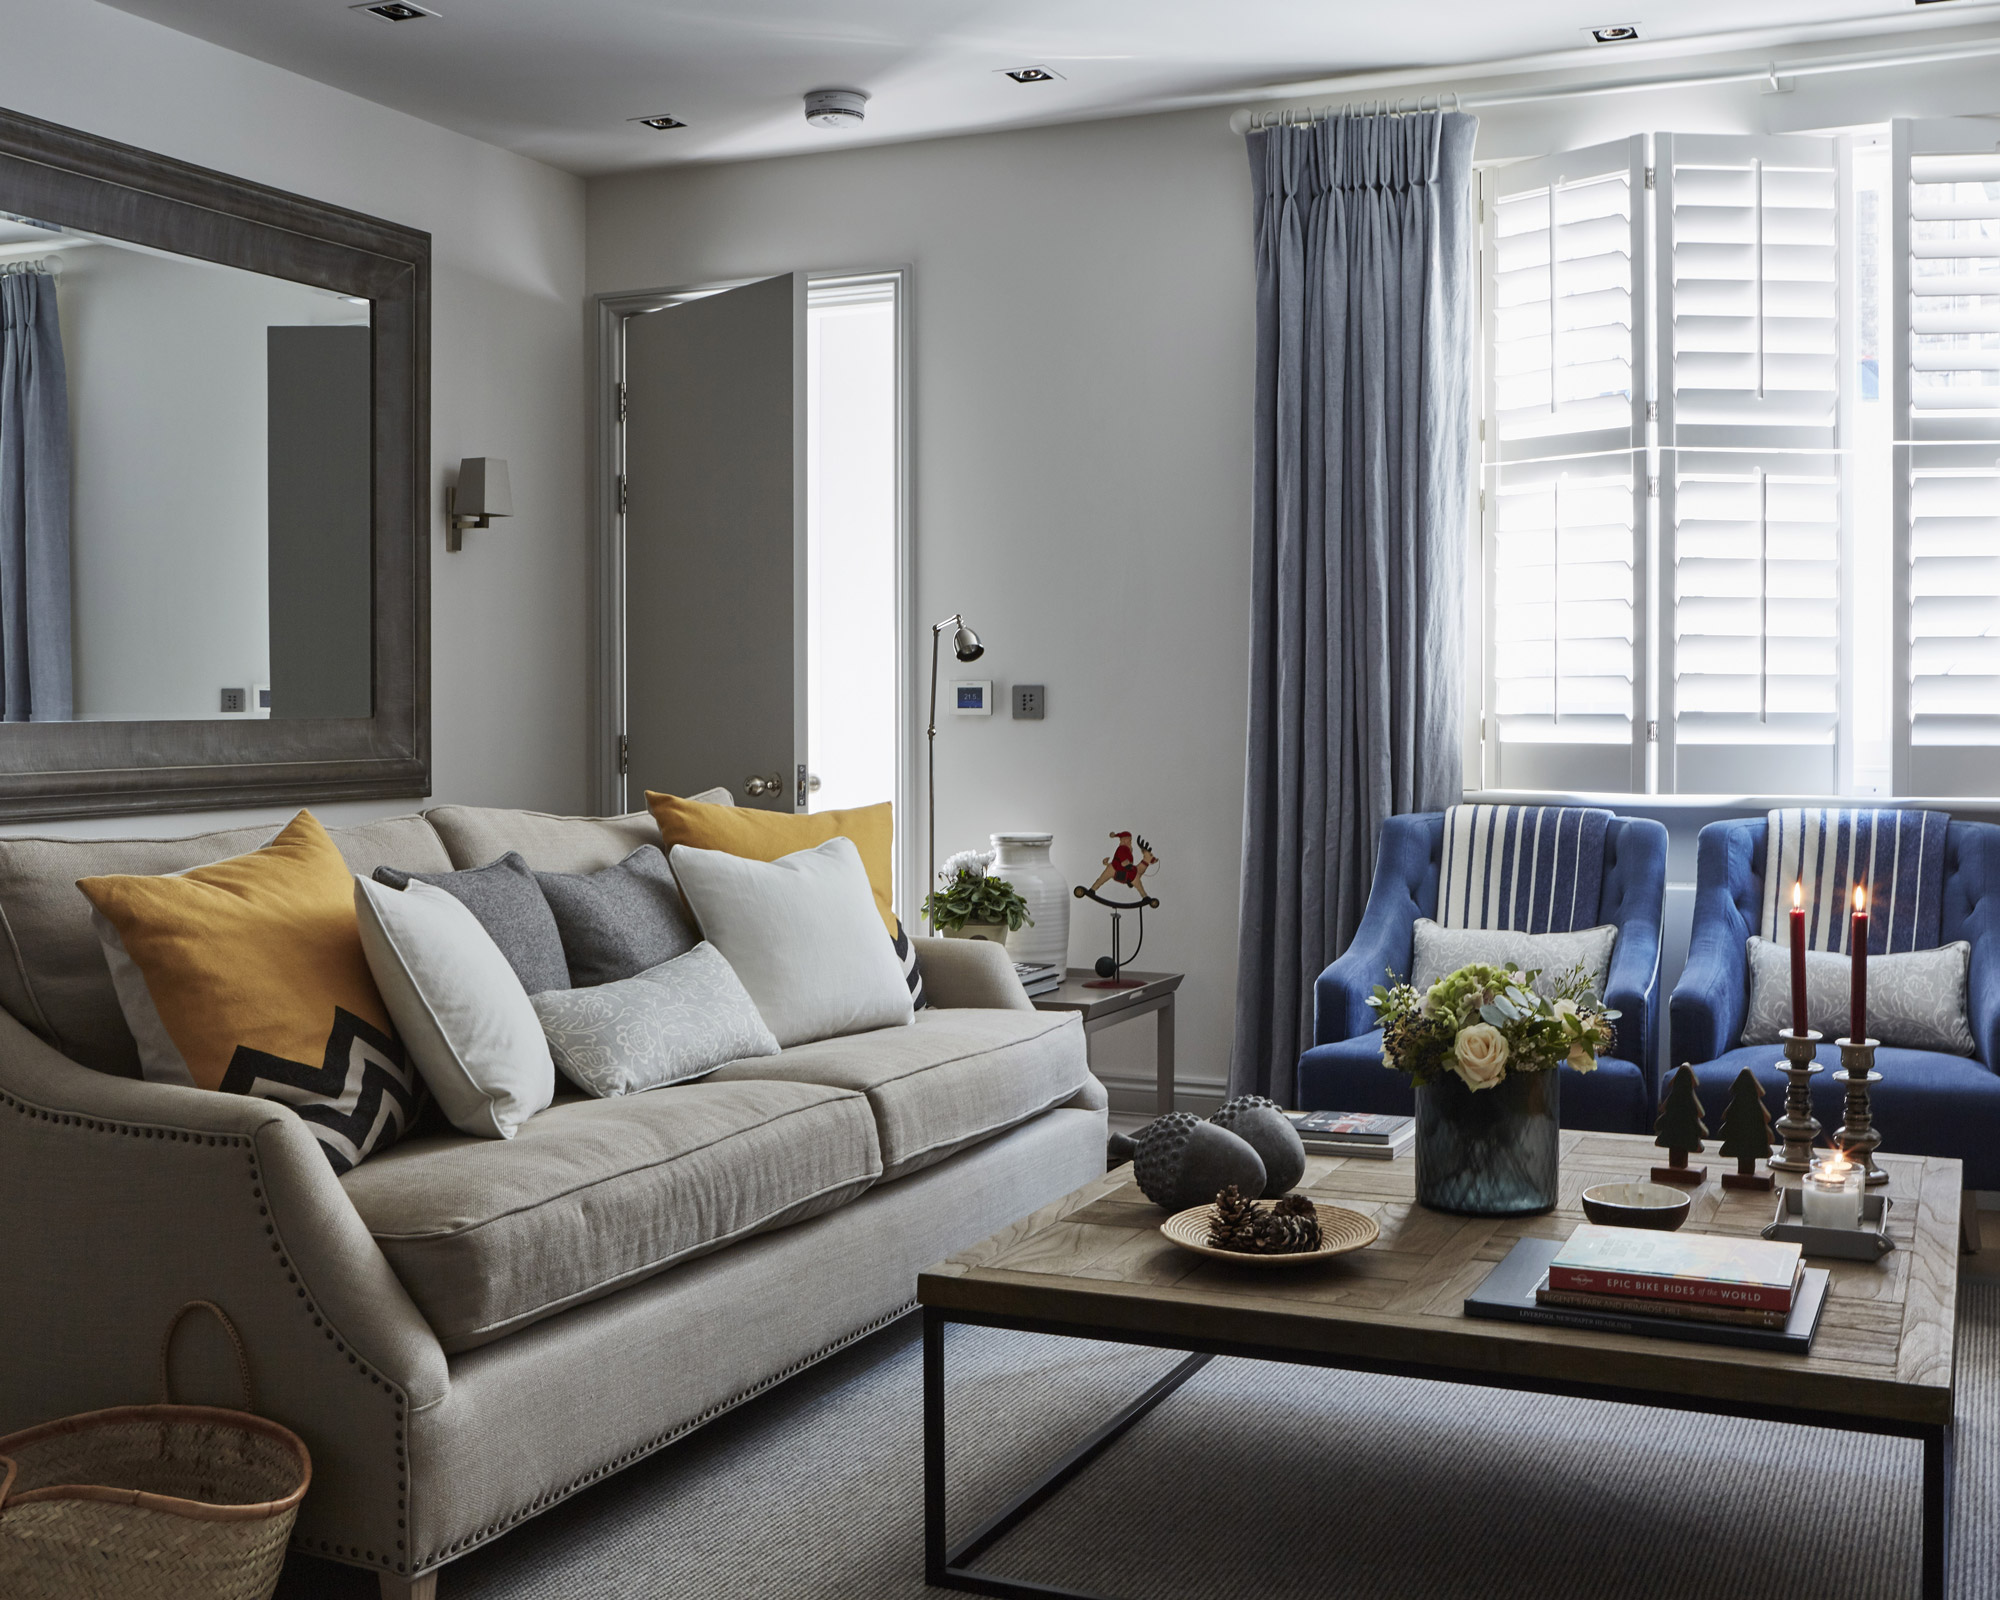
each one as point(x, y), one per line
point(1481, 1048)
point(970, 905)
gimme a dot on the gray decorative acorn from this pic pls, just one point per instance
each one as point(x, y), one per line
point(1181, 1161)
point(1260, 1124)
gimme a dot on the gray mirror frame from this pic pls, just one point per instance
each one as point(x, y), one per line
point(79, 769)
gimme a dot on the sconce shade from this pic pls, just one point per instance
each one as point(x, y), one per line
point(483, 490)
point(966, 646)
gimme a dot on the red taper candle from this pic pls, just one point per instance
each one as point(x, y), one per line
point(1857, 943)
point(1799, 1023)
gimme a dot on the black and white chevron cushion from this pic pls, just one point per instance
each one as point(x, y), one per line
point(361, 1100)
point(913, 974)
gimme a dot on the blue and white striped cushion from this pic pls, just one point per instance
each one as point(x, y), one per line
point(1530, 869)
point(1897, 856)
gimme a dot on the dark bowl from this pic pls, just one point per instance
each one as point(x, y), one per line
point(1636, 1205)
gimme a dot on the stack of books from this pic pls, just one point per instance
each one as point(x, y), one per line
point(1372, 1136)
point(1038, 979)
point(1711, 1287)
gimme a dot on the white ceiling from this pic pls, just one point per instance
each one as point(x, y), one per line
point(558, 79)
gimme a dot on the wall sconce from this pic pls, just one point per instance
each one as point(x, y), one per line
point(482, 494)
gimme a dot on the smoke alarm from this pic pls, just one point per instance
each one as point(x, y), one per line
point(836, 108)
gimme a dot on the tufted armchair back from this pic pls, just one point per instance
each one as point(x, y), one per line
point(1709, 1003)
point(1405, 887)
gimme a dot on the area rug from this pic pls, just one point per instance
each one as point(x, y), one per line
point(1253, 1480)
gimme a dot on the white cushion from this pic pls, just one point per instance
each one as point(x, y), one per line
point(803, 934)
point(1439, 952)
point(464, 1017)
point(1916, 999)
point(665, 1025)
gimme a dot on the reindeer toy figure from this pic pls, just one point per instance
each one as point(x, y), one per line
point(1126, 870)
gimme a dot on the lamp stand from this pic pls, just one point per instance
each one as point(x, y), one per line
point(966, 646)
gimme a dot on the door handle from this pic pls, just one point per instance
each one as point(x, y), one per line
point(756, 784)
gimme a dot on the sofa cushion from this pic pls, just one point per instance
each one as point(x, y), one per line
point(620, 920)
point(511, 907)
point(477, 834)
point(950, 1079)
point(1349, 1076)
point(52, 972)
point(593, 1195)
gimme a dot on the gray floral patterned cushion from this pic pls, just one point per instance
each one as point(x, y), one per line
point(668, 1024)
point(1916, 1000)
point(1438, 952)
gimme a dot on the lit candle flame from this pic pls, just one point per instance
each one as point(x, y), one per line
point(1835, 1164)
point(1797, 891)
point(1860, 899)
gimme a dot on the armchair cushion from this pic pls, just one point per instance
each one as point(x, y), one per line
point(1349, 1076)
point(1439, 952)
point(1916, 999)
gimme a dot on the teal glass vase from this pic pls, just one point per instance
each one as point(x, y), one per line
point(1489, 1152)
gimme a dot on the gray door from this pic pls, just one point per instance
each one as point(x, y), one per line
point(714, 445)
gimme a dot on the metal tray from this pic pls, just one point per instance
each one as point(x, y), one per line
point(1869, 1242)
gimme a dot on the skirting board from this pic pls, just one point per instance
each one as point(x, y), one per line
point(1137, 1096)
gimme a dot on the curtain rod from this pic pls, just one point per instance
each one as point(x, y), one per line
point(1773, 73)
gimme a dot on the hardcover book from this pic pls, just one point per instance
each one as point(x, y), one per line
point(1740, 1316)
point(1349, 1127)
point(1702, 1269)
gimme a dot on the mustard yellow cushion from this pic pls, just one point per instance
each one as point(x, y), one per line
point(248, 976)
point(767, 835)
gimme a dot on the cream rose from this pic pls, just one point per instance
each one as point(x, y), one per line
point(1580, 1057)
point(1481, 1055)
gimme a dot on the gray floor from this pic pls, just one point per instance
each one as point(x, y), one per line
point(1253, 1480)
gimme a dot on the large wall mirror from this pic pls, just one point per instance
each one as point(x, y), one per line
point(214, 511)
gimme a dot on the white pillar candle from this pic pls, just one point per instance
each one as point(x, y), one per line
point(1832, 1192)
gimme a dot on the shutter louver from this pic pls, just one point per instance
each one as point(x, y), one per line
point(1947, 372)
point(1749, 432)
point(1565, 478)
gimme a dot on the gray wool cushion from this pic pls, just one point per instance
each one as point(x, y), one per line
point(1916, 1000)
point(673, 1022)
point(510, 906)
point(1439, 952)
point(621, 920)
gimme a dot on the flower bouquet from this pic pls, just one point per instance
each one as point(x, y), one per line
point(1480, 1048)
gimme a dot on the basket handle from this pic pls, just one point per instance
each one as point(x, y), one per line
point(8, 1468)
point(235, 1340)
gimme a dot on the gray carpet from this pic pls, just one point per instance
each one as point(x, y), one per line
point(1253, 1480)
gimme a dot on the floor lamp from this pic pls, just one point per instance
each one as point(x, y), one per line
point(966, 646)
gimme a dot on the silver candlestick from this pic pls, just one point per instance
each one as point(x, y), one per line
point(1798, 1127)
point(1858, 1135)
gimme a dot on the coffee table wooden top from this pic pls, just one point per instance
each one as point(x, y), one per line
point(1096, 1260)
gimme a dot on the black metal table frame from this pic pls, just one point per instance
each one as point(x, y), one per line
point(951, 1567)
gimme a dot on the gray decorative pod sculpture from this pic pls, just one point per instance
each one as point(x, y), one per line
point(1181, 1161)
point(1260, 1124)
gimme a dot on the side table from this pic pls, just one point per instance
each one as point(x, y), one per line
point(1102, 1007)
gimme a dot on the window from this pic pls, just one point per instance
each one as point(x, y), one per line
point(1730, 543)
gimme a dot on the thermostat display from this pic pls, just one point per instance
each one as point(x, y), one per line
point(972, 699)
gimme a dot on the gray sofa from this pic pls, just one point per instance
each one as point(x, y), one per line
point(466, 1331)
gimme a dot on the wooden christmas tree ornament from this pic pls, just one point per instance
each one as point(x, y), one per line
point(1680, 1131)
point(1746, 1133)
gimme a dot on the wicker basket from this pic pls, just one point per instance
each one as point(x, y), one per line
point(162, 1502)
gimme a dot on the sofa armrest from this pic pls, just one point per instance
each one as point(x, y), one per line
point(969, 974)
point(1705, 1014)
point(126, 1200)
point(1637, 876)
point(1405, 882)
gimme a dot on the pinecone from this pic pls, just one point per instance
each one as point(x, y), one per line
point(1287, 1233)
point(1232, 1225)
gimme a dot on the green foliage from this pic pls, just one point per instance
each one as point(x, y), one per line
point(973, 897)
point(1452, 1027)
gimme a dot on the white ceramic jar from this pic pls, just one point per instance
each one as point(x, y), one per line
point(1023, 860)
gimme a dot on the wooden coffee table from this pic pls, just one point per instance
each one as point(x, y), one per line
point(1094, 1265)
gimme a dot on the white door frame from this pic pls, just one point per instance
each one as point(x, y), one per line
point(608, 721)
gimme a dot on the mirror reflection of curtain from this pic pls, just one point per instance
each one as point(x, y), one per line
point(34, 501)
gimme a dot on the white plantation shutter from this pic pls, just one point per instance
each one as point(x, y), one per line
point(1749, 362)
point(1945, 376)
point(1564, 485)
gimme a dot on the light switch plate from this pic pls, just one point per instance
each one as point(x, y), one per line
point(972, 698)
point(235, 700)
point(1028, 702)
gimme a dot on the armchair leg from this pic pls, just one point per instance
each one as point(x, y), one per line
point(394, 1588)
point(1968, 1223)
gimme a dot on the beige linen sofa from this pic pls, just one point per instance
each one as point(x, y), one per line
point(466, 1331)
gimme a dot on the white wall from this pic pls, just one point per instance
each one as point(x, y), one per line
point(1082, 356)
point(1081, 352)
point(510, 664)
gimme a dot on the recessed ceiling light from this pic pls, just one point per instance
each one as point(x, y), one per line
point(394, 11)
point(1617, 33)
point(662, 123)
point(1031, 74)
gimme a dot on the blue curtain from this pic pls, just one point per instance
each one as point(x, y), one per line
point(34, 503)
point(1362, 493)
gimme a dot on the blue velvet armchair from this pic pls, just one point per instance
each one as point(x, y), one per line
point(1343, 1070)
point(1927, 1103)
